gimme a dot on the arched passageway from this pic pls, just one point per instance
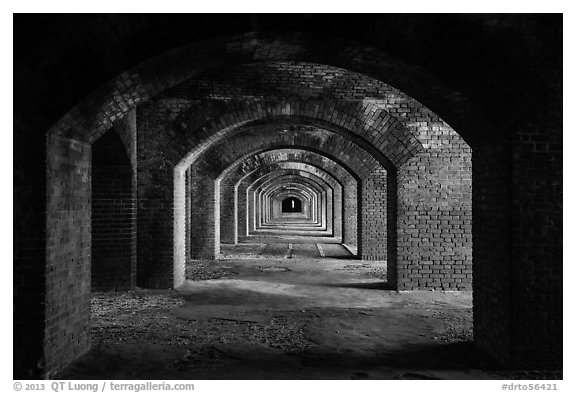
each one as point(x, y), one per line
point(113, 246)
point(291, 205)
point(384, 149)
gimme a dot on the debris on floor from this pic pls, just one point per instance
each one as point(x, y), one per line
point(198, 270)
point(307, 319)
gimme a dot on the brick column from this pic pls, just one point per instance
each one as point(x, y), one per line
point(203, 221)
point(227, 212)
point(113, 216)
point(67, 301)
point(350, 213)
point(372, 243)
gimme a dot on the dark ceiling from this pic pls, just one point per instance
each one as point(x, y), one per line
point(60, 58)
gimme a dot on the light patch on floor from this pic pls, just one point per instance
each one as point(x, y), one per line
point(297, 318)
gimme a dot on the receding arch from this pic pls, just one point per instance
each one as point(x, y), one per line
point(292, 204)
point(249, 179)
point(199, 151)
point(88, 131)
point(233, 205)
point(138, 85)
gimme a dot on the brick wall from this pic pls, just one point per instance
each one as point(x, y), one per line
point(68, 241)
point(202, 216)
point(492, 270)
point(350, 213)
point(373, 219)
point(273, 161)
point(518, 290)
point(314, 190)
point(155, 241)
point(280, 159)
point(113, 216)
point(228, 206)
point(435, 214)
point(514, 59)
point(537, 200)
point(242, 224)
point(265, 187)
point(434, 186)
point(29, 240)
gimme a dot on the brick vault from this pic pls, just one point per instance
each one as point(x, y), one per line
point(440, 156)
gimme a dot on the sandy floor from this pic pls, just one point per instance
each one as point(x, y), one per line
point(284, 311)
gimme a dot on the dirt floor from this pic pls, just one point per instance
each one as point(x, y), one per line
point(284, 311)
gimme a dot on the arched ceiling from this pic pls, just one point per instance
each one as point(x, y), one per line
point(502, 48)
point(293, 159)
point(275, 182)
point(255, 179)
point(218, 157)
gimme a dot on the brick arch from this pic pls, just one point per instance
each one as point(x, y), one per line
point(274, 181)
point(344, 184)
point(265, 180)
point(278, 182)
point(383, 138)
point(204, 243)
point(82, 126)
point(296, 169)
point(210, 161)
point(329, 184)
point(273, 173)
point(288, 163)
point(212, 157)
point(296, 205)
point(275, 156)
point(297, 159)
point(326, 149)
point(292, 183)
point(350, 220)
point(113, 215)
point(90, 118)
point(494, 187)
point(232, 201)
point(316, 211)
point(258, 180)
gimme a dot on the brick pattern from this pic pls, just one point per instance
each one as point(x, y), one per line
point(155, 228)
point(274, 185)
point(435, 215)
point(126, 129)
point(174, 126)
point(202, 215)
point(247, 196)
point(350, 213)
point(29, 239)
point(536, 205)
point(148, 80)
point(254, 139)
point(256, 167)
point(228, 205)
point(444, 148)
point(68, 241)
point(503, 89)
point(242, 197)
point(150, 142)
point(517, 194)
point(373, 222)
point(368, 124)
point(492, 270)
point(113, 216)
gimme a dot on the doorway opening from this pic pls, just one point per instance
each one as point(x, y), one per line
point(291, 205)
